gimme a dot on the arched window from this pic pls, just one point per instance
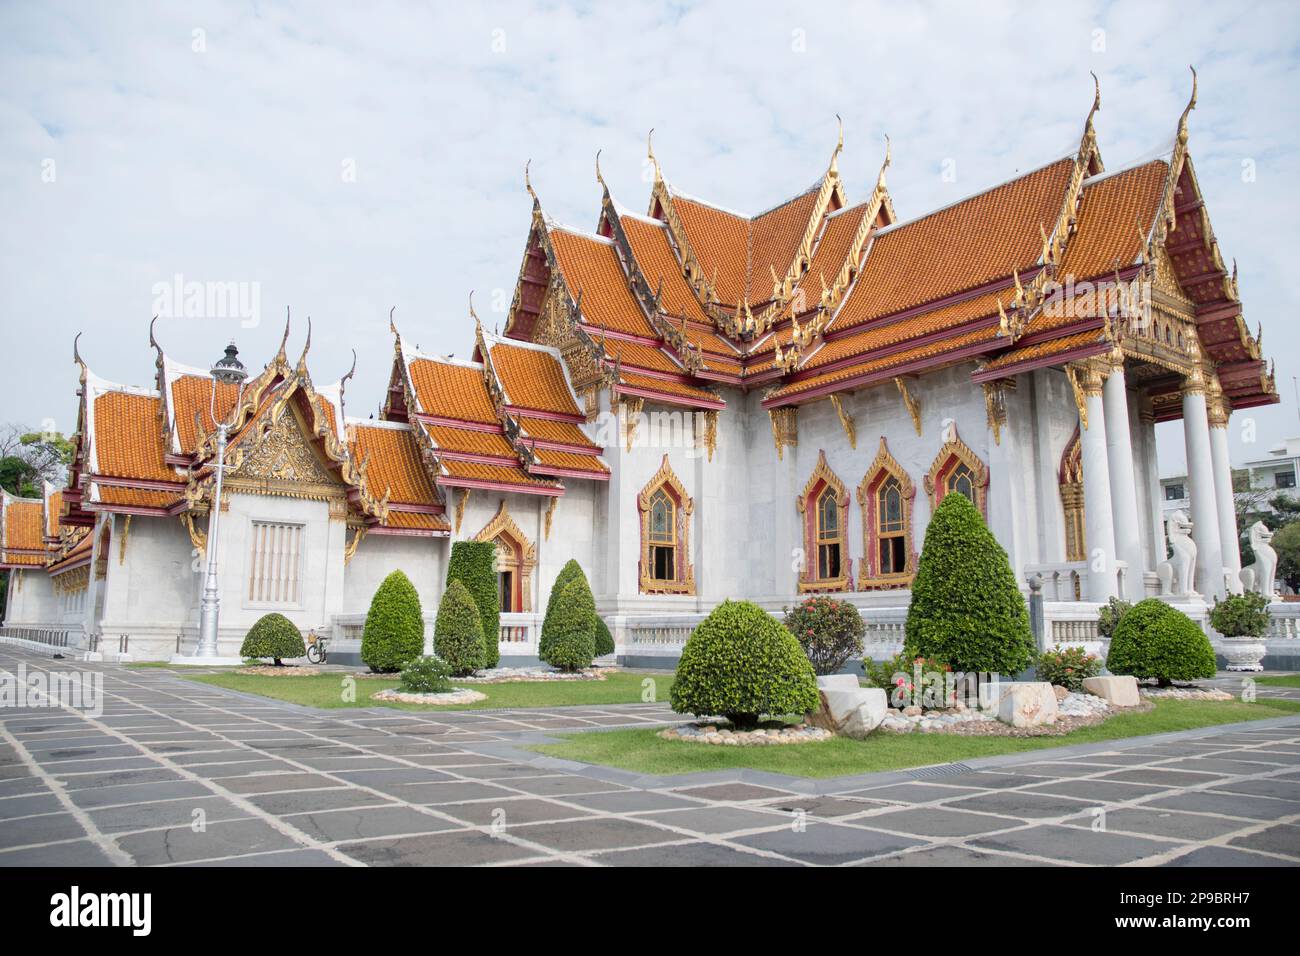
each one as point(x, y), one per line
point(824, 505)
point(957, 468)
point(886, 495)
point(665, 512)
point(516, 558)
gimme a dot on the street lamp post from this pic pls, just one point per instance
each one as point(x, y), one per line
point(228, 371)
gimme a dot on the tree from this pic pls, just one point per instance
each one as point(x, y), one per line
point(474, 564)
point(458, 631)
point(966, 609)
point(394, 631)
point(1286, 543)
point(274, 636)
point(28, 458)
point(569, 574)
point(571, 642)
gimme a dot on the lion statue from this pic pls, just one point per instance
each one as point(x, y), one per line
point(1260, 575)
point(1177, 575)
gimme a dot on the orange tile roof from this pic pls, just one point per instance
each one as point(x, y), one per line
point(77, 552)
point(533, 378)
point(137, 498)
point(1047, 349)
point(774, 241)
point(545, 429)
point(469, 440)
point(451, 390)
point(832, 249)
point(959, 247)
point(394, 464)
point(658, 263)
point(128, 437)
point(642, 356)
point(23, 529)
point(1107, 231)
point(929, 350)
point(679, 389)
point(575, 462)
point(53, 514)
point(503, 474)
point(415, 519)
point(192, 395)
point(591, 266)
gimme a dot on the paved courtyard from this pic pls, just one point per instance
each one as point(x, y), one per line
point(177, 773)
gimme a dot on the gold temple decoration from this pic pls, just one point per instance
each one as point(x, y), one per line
point(955, 454)
point(121, 544)
point(198, 539)
point(821, 478)
point(913, 406)
point(995, 407)
point(683, 580)
point(515, 553)
point(846, 420)
point(1070, 484)
point(550, 514)
point(785, 428)
point(1217, 405)
point(632, 406)
point(460, 507)
point(350, 548)
point(711, 432)
point(884, 467)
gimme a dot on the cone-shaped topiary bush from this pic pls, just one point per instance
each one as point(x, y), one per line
point(966, 609)
point(741, 663)
point(570, 573)
point(572, 637)
point(458, 631)
point(474, 563)
point(273, 636)
point(604, 639)
point(394, 632)
point(1157, 642)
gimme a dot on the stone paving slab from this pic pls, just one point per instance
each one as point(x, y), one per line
point(273, 784)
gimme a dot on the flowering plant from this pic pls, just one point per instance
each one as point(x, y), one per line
point(829, 631)
point(1068, 667)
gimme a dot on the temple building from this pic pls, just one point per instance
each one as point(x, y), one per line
point(699, 404)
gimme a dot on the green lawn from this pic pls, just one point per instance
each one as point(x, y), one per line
point(326, 690)
point(1287, 680)
point(643, 751)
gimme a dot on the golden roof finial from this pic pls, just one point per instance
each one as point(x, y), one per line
point(1020, 290)
point(306, 346)
point(473, 315)
point(528, 184)
point(343, 382)
point(599, 178)
point(1096, 97)
point(76, 353)
point(889, 151)
point(839, 146)
point(650, 154)
point(1191, 105)
point(280, 358)
point(154, 342)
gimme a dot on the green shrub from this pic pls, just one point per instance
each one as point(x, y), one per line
point(426, 675)
point(741, 663)
point(966, 608)
point(897, 678)
point(1067, 666)
point(1108, 616)
point(1240, 615)
point(1157, 642)
point(604, 639)
point(394, 632)
point(569, 574)
point(458, 631)
point(474, 563)
point(829, 631)
point(572, 636)
point(273, 636)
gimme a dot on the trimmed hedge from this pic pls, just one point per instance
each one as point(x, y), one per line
point(1157, 642)
point(966, 609)
point(572, 639)
point(458, 631)
point(274, 636)
point(741, 663)
point(394, 632)
point(474, 563)
point(571, 573)
point(604, 639)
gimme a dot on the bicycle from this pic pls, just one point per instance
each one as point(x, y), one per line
point(317, 648)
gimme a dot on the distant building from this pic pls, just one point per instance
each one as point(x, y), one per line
point(1274, 474)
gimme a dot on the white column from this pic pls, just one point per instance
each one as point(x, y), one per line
point(1097, 508)
point(1200, 480)
point(1224, 500)
point(1123, 481)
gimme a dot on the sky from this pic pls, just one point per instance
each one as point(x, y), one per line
point(341, 159)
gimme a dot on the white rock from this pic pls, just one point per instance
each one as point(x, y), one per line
point(1116, 690)
point(1028, 704)
point(851, 712)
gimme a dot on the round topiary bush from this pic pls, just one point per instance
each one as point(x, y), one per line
point(1157, 642)
point(741, 663)
point(829, 631)
point(458, 631)
point(571, 573)
point(273, 636)
point(426, 675)
point(966, 609)
point(394, 632)
point(604, 639)
point(571, 642)
point(474, 563)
